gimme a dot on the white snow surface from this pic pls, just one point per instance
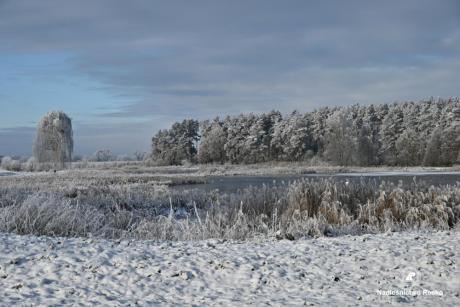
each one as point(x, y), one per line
point(337, 271)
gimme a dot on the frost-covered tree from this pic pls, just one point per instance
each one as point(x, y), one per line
point(257, 143)
point(237, 132)
point(292, 137)
point(408, 147)
point(246, 138)
point(433, 149)
point(450, 145)
point(54, 141)
point(271, 119)
point(139, 155)
point(213, 138)
point(366, 153)
point(177, 144)
point(339, 139)
point(392, 127)
point(103, 155)
point(10, 164)
point(318, 120)
point(395, 134)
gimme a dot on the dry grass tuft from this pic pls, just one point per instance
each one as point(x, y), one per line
point(125, 206)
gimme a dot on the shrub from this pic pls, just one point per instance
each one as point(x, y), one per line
point(9, 164)
point(80, 204)
point(31, 165)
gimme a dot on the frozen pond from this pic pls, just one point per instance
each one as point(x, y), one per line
point(233, 183)
point(6, 173)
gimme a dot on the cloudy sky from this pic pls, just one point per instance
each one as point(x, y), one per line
point(124, 69)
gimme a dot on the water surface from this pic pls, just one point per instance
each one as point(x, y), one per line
point(234, 183)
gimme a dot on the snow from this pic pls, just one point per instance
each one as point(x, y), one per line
point(338, 271)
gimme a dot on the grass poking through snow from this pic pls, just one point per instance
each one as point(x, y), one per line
point(125, 207)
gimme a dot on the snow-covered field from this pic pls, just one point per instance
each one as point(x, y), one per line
point(349, 270)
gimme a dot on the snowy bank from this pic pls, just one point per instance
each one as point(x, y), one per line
point(419, 268)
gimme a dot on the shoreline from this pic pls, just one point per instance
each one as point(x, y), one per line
point(229, 170)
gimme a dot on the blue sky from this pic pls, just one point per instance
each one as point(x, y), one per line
point(122, 70)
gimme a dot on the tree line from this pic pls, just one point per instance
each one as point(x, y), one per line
point(404, 134)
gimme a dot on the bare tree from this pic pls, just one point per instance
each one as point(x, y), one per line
point(54, 141)
point(103, 155)
point(139, 155)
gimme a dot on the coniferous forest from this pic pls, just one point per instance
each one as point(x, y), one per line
point(397, 134)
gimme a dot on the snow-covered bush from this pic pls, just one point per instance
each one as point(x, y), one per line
point(10, 164)
point(102, 155)
point(31, 165)
point(6, 162)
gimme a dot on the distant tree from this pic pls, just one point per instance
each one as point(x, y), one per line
point(139, 155)
point(408, 147)
point(31, 165)
point(257, 143)
point(339, 139)
point(54, 141)
point(10, 164)
point(177, 144)
point(102, 155)
point(318, 126)
point(392, 127)
point(213, 138)
point(433, 149)
point(237, 129)
point(270, 120)
point(367, 134)
point(292, 137)
point(450, 145)
point(405, 133)
point(365, 149)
